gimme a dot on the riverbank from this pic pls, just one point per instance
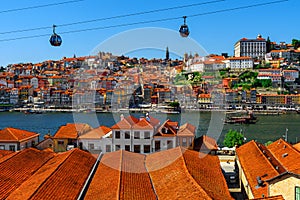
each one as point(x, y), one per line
point(149, 110)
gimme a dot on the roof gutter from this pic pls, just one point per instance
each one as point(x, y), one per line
point(90, 178)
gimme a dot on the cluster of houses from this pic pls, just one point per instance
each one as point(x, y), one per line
point(144, 135)
point(106, 81)
point(260, 171)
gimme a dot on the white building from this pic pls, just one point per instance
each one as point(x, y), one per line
point(255, 48)
point(96, 140)
point(239, 63)
point(16, 139)
point(14, 96)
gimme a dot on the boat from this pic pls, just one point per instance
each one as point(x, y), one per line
point(247, 119)
point(31, 111)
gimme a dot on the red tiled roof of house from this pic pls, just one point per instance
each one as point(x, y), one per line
point(297, 146)
point(62, 176)
point(168, 126)
point(142, 124)
point(171, 178)
point(205, 169)
point(255, 164)
point(18, 168)
point(72, 131)
point(172, 174)
point(16, 135)
point(186, 130)
point(106, 181)
point(286, 154)
point(96, 133)
point(205, 143)
point(4, 153)
point(135, 180)
point(125, 123)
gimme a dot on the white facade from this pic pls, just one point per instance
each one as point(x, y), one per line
point(239, 63)
point(34, 82)
point(16, 146)
point(255, 48)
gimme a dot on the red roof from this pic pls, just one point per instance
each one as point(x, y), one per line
point(16, 135)
point(61, 177)
point(71, 131)
point(96, 133)
point(172, 174)
point(267, 163)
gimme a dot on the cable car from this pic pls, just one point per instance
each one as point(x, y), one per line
point(184, 29)
point(55, 40)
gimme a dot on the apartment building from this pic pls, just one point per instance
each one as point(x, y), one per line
point(254, 48)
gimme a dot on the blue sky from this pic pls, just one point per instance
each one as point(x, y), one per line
point(217, 33)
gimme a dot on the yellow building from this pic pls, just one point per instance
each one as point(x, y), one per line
point(67, 135)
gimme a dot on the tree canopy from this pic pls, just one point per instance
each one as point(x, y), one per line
point(233, 138)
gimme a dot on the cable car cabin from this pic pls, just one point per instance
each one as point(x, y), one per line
point(184, 30)
point(55, 40)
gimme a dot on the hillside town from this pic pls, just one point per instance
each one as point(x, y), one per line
point(261, 75)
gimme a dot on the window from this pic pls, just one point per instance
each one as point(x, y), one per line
point(108, 148)
point(127, 147)
point(60, 142)
point(137, 149)
point(169, 144)
point(12, 148)
point(118, 147)
point(157, 145)
point(127, 135)
point(2, 147)
point(91, 146)
point(118, 135)
point(184, 142)
point(297, 193)
point(147, 135)
point(136, 135)
point(146, 148)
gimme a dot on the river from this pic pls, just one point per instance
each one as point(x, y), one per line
point(268, 128)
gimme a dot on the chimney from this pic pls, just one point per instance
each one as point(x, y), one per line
point(121, 117)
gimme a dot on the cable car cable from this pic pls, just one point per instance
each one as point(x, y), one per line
point(150, 21)
point(113, 17)
point(39, 6)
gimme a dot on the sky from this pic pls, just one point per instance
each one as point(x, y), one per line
point(216, 33)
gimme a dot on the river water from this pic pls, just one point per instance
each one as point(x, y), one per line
point(268, 128)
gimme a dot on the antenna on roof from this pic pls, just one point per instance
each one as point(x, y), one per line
point(260, 182)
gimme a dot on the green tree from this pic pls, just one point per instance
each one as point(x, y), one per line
point(296, 43)
point(233, 138)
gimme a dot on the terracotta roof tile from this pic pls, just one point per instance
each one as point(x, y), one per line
point(255, 164)
point(205, 143)
point(16, 135)
point(171, 178)
point(135, 180)
point(205, 169)
point(126, 123)
point(18, 168)
point(72, 131)
point(96, 133)
point(106, 181)
point(186, 130)
point(67, 181)
point(286, 154)
point(297, 146)
point(4, 153)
